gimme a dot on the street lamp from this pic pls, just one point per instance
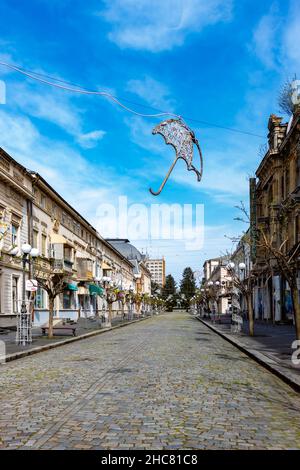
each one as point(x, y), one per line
point(230, 265)
point(24, 319)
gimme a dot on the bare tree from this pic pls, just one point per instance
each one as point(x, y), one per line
point(245, 284)
point(285, 98)
point(287, 263)
point(53, 282)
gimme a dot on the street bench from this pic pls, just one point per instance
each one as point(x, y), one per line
point(61, 326)
point(69, 328)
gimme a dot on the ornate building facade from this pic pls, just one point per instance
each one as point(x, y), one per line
point(275, 210)
point(31, 211)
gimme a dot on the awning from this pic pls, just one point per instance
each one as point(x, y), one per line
point(71, 287)
point(95, 290)
point(55, 238)
point(105, 265)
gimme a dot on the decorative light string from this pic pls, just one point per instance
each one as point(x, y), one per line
point(78, 89)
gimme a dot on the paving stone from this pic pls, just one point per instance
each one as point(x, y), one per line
point(154, 385)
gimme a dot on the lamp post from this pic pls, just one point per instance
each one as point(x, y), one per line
point(213, 288)
point(237, 273)
point(24, 319)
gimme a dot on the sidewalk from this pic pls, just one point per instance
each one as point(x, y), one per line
point(270, 346)
point(85, 329)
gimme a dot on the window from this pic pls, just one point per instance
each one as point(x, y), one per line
point(40, 298)
point(67, 253)
point(44, 245)
point(287, 183)
point(35, 239)
point(15, 282)
point(14, 234)
point(68, 299)
point(43, 201)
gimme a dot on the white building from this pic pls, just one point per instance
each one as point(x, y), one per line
point(157, 268)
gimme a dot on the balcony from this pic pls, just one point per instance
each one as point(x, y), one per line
point(62, 265)
point(84, 269)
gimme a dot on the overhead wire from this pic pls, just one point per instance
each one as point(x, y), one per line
point(71, 87)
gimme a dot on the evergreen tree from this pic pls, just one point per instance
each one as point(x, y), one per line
point(155, 288)
point(169, 293)
point(169, 287)
point(187, 285)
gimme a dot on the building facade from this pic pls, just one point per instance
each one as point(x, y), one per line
point(157, 268)
point(217, 283)
point(142, 274)
point(275, 210)
point(16, 196)
point(31, 211)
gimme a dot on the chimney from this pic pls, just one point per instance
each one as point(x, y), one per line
point(277, 132)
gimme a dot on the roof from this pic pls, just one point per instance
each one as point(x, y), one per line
point(127, 249)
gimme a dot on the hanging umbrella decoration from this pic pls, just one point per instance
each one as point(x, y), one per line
point(176, 133)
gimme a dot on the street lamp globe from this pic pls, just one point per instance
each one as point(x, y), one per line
point(230, 265)
point(34, 252)
point(26, 248)
point(14, 251)
point(242, 266)
point(210, 283)
point(217, 283)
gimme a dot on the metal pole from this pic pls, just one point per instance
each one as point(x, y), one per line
point(23, 316)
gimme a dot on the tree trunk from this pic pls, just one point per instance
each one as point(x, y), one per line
point(250, 314)
point(51, 310)
point(109, 313)
point(296, 308)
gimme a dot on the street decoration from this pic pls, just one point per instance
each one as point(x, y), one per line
point(174, 130)
point(177, 134)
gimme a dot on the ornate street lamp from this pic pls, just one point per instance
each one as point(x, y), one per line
point(24, 325)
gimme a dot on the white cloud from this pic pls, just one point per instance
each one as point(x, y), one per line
point(276, 39)
point(153, 92)
point(90, 139)
point(161, 25)
point(291, 39)
point(54, 106)
point(264, 38)
point(81, 183)
point(141, 134)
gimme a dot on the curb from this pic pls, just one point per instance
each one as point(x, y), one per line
point(259, 357)
point(30, 352)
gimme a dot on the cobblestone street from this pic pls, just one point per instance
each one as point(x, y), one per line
point(165, 383)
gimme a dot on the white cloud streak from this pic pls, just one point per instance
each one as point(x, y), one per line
point(161, 25)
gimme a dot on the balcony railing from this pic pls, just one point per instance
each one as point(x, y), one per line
point(62, 265)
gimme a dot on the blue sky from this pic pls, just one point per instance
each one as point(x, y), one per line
point(222, 62)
